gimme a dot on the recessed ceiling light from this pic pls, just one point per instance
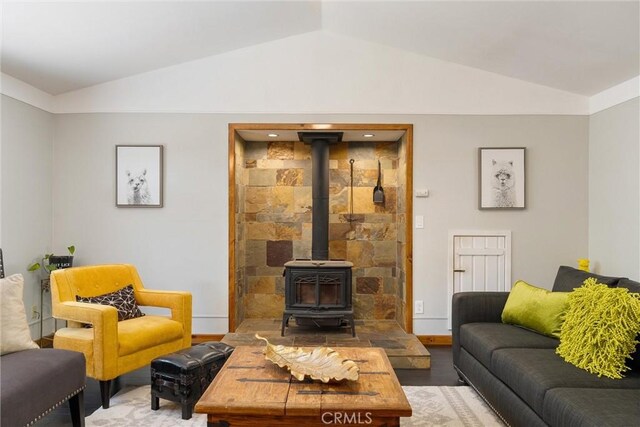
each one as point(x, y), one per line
point(369, 135)
point(272, 135)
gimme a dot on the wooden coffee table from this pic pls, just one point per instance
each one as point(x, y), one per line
point(252, 391)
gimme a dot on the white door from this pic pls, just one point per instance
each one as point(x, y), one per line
point(479, 261)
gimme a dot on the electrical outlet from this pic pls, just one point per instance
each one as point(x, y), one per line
point(419, 307)
point(35, 314)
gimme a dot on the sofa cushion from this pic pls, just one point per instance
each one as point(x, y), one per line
point(569, 278)
point(535, 308)
point(482, 339)
point(632, 285)
point(510, 408)
point(530, 373)
point(34, 381)
point(588, 407)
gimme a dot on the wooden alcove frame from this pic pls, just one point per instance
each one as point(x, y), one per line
point(234, 136)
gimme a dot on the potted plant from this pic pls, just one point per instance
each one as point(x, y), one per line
point(52, 262)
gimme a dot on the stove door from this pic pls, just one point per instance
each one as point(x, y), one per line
point(317, 288)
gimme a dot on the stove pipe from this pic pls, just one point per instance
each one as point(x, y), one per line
point(320, 189)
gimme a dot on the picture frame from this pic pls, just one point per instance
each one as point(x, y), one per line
point(502, 178)
point(139, 176)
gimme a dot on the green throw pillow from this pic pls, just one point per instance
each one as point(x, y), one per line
point(535, 308)
point(600, 328)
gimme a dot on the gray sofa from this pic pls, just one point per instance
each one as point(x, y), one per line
point(519, 375)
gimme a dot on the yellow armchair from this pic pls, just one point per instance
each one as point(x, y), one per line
point(112, 348)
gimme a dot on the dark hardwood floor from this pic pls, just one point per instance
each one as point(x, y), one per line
point(440, 374)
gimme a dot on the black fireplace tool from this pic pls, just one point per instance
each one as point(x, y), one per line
point(378, 192)
point(351, 162)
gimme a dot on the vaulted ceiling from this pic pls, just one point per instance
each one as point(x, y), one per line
point(580, 47)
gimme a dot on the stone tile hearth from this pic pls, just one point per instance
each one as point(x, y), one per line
point(404, 350)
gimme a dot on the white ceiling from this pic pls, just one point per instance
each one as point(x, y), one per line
point(62, 46)
point(581, 47)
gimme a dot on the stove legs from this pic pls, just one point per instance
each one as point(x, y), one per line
point(348, 317)
point(285, 322)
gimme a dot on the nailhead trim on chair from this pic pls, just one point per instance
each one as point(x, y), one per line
point(56, 405)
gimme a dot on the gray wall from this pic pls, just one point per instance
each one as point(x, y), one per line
point(27, 207)
point(184, 244)
point(614, 190)
point(551, 231)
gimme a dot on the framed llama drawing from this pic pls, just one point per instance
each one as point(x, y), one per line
point(139, 176)
point(502, 178)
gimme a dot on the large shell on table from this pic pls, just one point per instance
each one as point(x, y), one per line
point(322, 363)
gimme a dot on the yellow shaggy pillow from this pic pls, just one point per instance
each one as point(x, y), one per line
point(600, 328)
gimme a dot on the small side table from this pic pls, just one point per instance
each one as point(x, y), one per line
point(45, 286)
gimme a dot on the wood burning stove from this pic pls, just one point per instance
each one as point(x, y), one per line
point(318, 293)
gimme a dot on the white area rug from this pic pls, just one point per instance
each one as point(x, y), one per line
point(432, 406)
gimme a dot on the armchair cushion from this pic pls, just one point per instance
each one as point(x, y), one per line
point(146, 332)
point(123, 300)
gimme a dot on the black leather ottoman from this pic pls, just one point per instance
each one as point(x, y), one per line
point(184, 375)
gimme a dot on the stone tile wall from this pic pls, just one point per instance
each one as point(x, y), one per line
point(274, 223)
point(401, 248)
point(240, 242)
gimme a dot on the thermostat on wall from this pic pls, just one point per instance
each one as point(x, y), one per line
point(422, 193)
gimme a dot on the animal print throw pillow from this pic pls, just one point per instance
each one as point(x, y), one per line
point(123, 300)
